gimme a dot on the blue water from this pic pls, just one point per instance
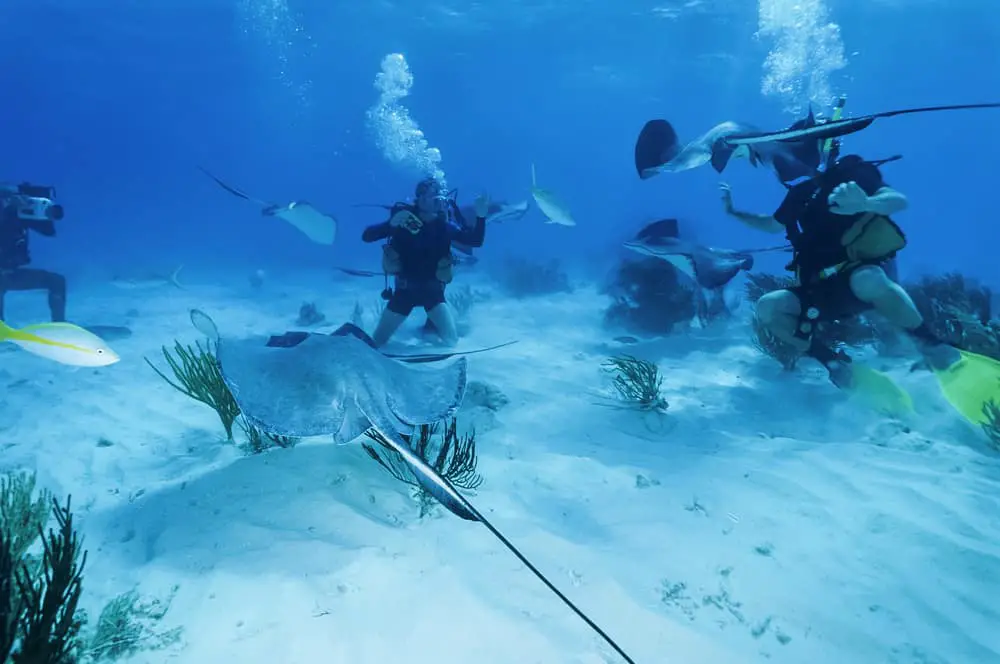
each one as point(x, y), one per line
point(117, 104)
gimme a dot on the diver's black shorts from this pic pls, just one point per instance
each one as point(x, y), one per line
point(405, 298)
point(832, 296)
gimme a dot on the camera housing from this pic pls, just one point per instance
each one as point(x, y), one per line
point(36, 190)
point(34, 203)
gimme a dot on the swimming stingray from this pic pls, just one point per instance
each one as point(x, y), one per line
point(710, 268)
point(791, 153)
point(832, 128)
point(341, 385)
point(318, 227)
point(658, 150)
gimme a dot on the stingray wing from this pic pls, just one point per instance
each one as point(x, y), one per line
point(318, 227)
point(656, 146)
point(421, 395)
point(714, 270)
point(299, 391)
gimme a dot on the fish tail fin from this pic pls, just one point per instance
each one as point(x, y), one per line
point(174, 277)
point(14, 335)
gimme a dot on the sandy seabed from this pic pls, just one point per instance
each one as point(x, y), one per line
point(766, 517)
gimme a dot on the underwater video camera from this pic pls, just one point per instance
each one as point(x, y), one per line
point(35, 202)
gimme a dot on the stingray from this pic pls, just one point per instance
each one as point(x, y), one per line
point(833, 128)
point(709, 267)
point(659, 150)
point(341, 385)
point(318, 227)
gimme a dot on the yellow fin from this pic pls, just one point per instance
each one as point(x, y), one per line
point(8, 333)
point(970, 383)
point(879, 392)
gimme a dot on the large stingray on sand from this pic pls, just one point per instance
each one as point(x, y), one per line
point(341, 385)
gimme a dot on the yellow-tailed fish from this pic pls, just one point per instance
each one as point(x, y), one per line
point(550, 206)
point(64, 343)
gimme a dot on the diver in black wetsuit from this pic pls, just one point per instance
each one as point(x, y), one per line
point(26, 208)
point(418, 255)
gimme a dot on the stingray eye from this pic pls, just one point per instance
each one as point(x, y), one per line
point(100, 351)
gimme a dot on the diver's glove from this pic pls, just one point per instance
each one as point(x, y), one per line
point(482, 205)
point(848, 198)
point(406, 219)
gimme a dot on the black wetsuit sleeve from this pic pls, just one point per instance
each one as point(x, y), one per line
point(868, 177)
point(376, 232)
point(45, 227)
point(791, 207)
point(472, 237)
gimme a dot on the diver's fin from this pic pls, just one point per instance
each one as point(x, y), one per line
point(971, 383)
point(233, 190)
point(878, 391)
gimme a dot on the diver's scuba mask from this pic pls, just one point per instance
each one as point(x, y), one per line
point(431, 197)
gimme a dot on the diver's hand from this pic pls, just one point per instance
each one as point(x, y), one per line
point(727, 197)
point(482, 205)
point(401, 218)
point(848, 198)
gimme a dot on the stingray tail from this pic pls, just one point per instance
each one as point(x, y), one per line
point(429, 479)
point(233, 190)
point(448, 496)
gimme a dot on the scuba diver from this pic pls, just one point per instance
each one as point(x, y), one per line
point(842, 234)
point(418, 255)
point(844, 241)
point(23, 208)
